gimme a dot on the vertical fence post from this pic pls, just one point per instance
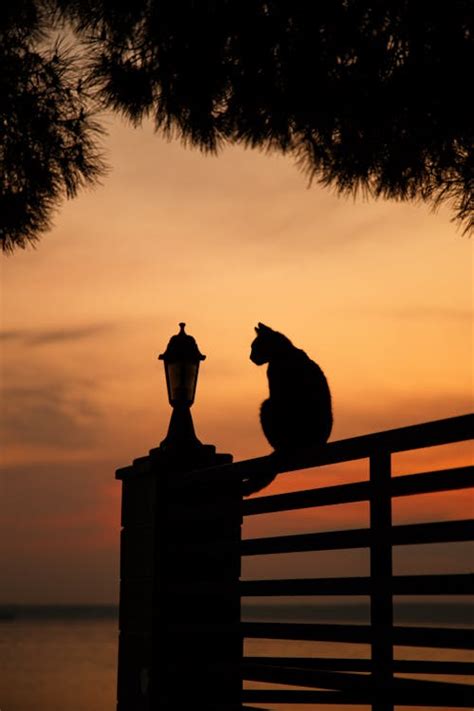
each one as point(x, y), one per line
point(381, 600)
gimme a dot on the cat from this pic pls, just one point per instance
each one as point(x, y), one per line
point(298, 412)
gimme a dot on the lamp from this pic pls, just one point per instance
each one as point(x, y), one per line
point(181, 360)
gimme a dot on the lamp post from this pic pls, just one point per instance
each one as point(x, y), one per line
point(181, 360)
point(179, 613)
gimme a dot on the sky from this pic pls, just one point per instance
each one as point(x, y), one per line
point(378, 293)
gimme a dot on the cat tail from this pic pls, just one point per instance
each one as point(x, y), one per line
point(256, 482)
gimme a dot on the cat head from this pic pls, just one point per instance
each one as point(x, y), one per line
point(267, 345)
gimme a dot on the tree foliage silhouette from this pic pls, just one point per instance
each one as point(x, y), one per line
point(47, 130)
point(367, 95)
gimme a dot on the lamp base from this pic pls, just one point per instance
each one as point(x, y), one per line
point(181, 450)
point(181, 436)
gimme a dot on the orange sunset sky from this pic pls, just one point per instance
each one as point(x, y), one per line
point(378, 293)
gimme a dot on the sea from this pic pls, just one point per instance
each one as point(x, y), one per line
point(64, 658)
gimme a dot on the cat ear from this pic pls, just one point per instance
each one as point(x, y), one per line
point(257, 329)
point(263, 327)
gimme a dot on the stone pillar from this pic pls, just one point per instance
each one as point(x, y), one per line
point(180, 641)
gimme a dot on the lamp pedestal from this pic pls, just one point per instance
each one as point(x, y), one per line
point(179, 615)
point(181, 435)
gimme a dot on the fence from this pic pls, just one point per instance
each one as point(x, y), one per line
point(337, 681)
point(341, 678)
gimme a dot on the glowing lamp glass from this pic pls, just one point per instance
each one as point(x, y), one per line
point(181, 381)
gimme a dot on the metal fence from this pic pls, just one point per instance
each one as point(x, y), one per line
point(373, 681)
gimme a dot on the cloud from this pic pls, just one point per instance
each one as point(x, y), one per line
point(49, 414)
point(59, 335)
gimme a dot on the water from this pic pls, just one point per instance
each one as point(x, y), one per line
point(59, 663)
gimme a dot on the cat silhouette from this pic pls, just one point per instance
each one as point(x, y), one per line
point(298, 412)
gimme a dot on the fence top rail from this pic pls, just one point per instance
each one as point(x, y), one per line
point(427, 434)
point(421, 483)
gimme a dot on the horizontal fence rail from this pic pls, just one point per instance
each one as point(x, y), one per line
point(406, 666)
point(407, 534)
point(361, 634)
point(376, 697)
point(427, 483)
point(457, 584)
point(403, 439)
point(373, 681)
